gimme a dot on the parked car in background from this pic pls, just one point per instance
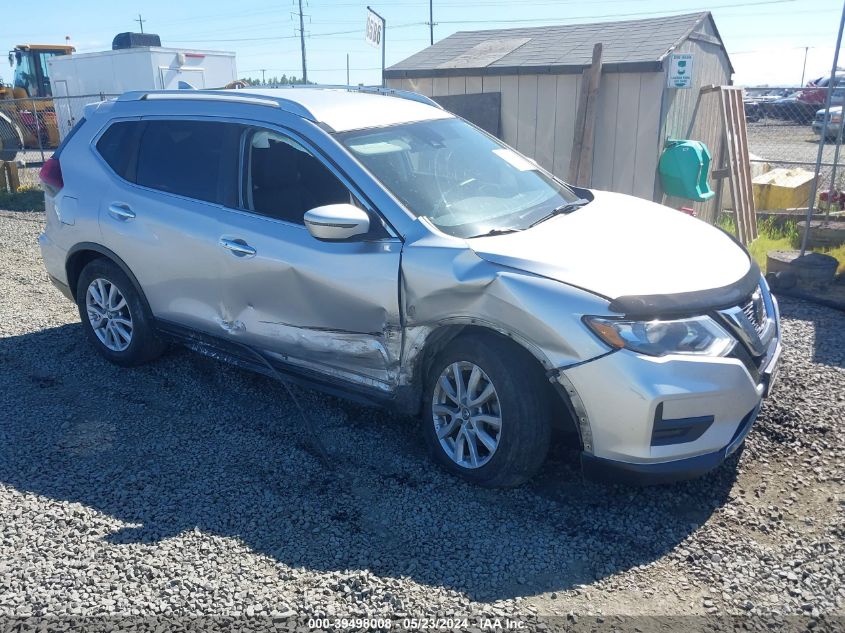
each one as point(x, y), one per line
point(789, 108)
point(376, 246)
point(832, 124)
point(816, 90)
point(753, 111)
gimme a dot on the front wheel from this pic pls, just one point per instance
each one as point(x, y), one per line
point(487, 416)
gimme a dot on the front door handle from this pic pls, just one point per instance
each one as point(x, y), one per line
point(120, 211)
point(239, 248)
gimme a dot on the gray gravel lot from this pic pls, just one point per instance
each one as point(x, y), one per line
point(187, 487)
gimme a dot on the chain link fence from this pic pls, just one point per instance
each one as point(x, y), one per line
point(785, 127)
point(31, 129)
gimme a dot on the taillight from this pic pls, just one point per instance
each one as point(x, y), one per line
point(51, 174)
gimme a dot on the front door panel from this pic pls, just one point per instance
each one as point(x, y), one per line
point(328, 306)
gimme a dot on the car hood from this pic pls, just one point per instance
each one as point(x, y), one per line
point(622, 246)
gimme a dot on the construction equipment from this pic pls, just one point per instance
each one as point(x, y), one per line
point(27, 112)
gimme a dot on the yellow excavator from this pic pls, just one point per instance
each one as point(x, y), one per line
point(27, 114)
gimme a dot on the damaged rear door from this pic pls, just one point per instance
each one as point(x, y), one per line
point(332, 307)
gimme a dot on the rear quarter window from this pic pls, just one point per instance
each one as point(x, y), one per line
point(118, 146)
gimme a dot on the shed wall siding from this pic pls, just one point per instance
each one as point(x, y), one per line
point(692, 115)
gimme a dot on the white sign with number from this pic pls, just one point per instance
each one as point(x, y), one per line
point(680, 70)
point(375, 30)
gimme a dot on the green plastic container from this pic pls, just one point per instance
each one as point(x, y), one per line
point(684, 167)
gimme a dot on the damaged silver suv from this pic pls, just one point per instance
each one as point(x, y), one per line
point(372, 244)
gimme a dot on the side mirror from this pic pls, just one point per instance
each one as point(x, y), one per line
point(337, 222)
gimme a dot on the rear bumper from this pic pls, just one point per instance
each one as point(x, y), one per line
point(62, 287)
point(613, 471)
point(54, 259)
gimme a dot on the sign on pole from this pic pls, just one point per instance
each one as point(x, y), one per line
point(375, 35)
point(680, 70)
point(375, 29)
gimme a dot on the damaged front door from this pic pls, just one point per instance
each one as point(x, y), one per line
point(328, 306)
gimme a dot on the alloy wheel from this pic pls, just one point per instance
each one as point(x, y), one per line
point(467, 414)
point(109, 314)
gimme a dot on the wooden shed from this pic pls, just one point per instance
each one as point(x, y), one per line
point(536, 73)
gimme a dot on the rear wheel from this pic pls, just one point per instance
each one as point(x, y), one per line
point(114, 316)
point(486, 415)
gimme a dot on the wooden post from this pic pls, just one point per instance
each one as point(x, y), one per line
point(581, 163)
point(10, 176)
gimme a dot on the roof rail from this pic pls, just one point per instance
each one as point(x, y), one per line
point(220, 95)
point(391, 92)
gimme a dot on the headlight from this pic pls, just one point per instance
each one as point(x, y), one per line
point(698, 335)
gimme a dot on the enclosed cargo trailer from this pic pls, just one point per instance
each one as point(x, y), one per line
point(80, 79)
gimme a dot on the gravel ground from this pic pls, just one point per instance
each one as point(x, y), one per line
point(187, 487)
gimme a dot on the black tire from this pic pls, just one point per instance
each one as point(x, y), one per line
point(144, 345)
point(524, 402)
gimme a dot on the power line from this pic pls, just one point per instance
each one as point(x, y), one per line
point(287, 37)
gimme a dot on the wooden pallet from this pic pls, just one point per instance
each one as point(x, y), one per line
point(738, 165)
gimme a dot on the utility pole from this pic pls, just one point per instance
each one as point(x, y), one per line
point(431, 21)
point(806, 48)
point(140, 21)
point(302, 44)
point(347, 69)
point(262, 76)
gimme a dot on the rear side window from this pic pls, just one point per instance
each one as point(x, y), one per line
point(197, 159)
point(117, 146)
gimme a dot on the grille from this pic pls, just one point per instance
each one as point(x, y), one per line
point(755, 310)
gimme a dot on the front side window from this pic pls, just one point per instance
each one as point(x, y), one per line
point(197, 159)
point(462, 180)
point(283, 180)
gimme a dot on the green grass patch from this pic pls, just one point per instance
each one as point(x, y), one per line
point(25, 199)
point(772, 237)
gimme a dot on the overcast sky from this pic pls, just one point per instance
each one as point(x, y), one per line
point(766, 38)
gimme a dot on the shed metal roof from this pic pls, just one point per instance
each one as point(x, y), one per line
point(632, 46)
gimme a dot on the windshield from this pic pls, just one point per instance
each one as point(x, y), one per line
point(463, 181)
point(32, 72)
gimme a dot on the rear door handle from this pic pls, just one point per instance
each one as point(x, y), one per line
point(120, 211)
point(239, 248)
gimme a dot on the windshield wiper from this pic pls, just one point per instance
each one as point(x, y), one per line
point(492, 232)
point(564, 208)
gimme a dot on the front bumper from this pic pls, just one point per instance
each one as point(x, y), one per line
point(625, 400)
point(613, 471)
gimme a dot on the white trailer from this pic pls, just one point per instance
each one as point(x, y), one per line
point(77, 80)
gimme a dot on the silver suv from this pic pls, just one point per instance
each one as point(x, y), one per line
point(374, 245)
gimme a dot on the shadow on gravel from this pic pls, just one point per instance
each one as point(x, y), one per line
point(187, 442)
